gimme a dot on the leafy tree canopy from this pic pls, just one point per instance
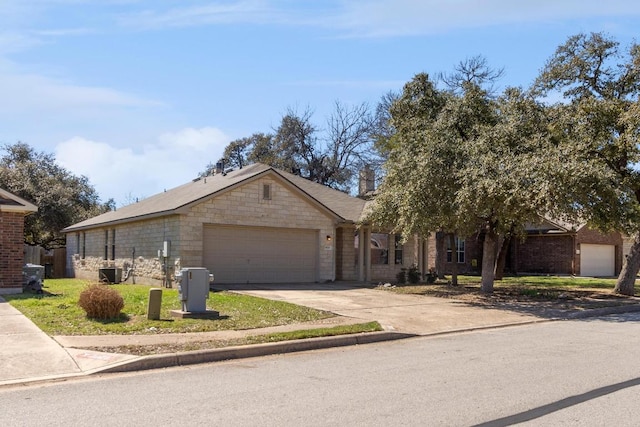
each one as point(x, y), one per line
point(463, 161)
point(598, 124)
point(62, 198)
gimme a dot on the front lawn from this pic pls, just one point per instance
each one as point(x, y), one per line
point(56, 311)
point(534, 292)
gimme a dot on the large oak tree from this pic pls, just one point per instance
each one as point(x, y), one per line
point(598, 123)
point(61, 197)
point(465, 162)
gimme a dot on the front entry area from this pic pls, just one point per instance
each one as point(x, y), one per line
point(239, 254)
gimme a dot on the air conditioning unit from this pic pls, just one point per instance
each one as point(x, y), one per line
point(110, 274)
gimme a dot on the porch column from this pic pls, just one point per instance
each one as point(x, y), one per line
point(361, 252)
point(425, 254)
point(420, 257)
point(367, 254)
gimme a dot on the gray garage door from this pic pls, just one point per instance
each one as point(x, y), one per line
point(237, 254)
point(597, 260)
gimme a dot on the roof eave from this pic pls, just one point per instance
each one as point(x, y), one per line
point(154, 215)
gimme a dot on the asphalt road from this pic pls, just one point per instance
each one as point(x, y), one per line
point(584, 372)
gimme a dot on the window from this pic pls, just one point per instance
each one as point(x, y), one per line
point(84, 245)
point(459, 250)
point(379, 248)
point(266, 192)
point(106, 244)
point(113, 244)
point(77, 243)
point(398, 251)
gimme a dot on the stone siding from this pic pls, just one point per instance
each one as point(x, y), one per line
point(347, 258)
point(145, 237)
point(245, 205)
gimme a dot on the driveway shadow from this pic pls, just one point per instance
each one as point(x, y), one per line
point(569, 310)
point(325, 286)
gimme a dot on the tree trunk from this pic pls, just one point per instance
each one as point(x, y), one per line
point(441, 254)
point(454, 259)
point(502, 257)
point(630, 266)
point(489, 249)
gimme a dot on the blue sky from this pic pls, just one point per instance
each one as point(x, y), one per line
point(140, 95)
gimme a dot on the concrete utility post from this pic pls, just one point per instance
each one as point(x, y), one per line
point(155, 303)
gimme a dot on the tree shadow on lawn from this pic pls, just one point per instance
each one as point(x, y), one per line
point(31, 295)
point(320, 286)
point(546, 303)
point(124, 318)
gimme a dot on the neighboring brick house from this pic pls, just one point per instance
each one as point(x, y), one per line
point(13, 209)
point(255, 224)
point(549, 247)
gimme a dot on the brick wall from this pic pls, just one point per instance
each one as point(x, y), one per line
point(11, 252)
point(545, 254)
point(472, 255)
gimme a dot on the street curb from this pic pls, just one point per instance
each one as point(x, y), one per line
point(257, 350)
point(241, 352)
point(595, 312)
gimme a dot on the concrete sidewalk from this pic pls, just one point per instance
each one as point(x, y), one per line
point(28, 354)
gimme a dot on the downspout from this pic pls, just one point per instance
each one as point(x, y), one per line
point(573, 257)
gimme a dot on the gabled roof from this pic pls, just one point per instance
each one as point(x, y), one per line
point(341, 205)
point(552, 226)
point(11, 203)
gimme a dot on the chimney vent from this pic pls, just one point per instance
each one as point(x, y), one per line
point(219, 167)
point(367, 181)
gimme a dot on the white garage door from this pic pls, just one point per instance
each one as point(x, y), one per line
point(237, 254)
point(597, 260)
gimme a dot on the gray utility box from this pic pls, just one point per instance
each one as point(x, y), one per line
point(32, 272)
point(193, 288)
point(32, 277)
point(110, 274)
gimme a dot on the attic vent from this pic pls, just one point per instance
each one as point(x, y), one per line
point(266, 191)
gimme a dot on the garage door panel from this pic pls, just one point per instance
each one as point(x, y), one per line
point(236, 254)
point(597, 260)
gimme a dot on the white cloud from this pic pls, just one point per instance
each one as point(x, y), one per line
point(31, 93)
point(142, 171)
point(245, 11)
point(376, 18)
point(410, 17)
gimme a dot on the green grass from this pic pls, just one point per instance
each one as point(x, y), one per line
point(142, 350)
point(57, 312)
point(539, 287)
point(556, 282)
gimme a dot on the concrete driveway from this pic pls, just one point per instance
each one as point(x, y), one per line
point(412, 314)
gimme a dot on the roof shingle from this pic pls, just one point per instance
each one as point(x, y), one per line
point(344, 206)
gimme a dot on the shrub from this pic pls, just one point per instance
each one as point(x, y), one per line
point(101, 302)
point(401, 277)
point(431, 276)
point(413, 274)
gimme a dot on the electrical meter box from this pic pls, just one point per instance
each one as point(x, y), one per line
point(193, 289)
